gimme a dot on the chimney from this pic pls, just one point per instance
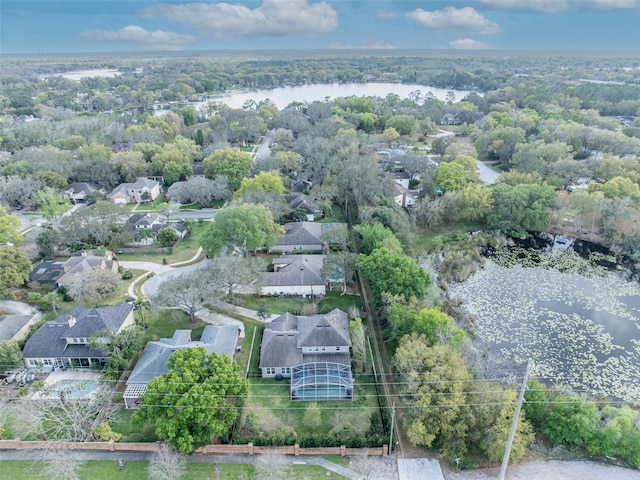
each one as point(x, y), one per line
point(72, 321)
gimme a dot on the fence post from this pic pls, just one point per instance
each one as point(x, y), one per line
point(296, 449)
point(343, 451)
point(250, 445)
point(385, 450)
point(112, 448)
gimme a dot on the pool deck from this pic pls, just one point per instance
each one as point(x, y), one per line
point(59, 375)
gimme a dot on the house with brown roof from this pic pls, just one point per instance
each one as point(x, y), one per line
point(304, 236)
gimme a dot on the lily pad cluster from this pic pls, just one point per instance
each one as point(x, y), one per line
point(580, 326)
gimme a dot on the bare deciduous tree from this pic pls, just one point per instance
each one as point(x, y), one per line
point(372, 468)
point(233, 272)
point(167, 464)
point(272, 466)
point(187, 292)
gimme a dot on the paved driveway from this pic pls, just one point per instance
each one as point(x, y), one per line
point(150, 287)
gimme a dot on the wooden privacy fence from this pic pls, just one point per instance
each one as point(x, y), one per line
point(248, 449)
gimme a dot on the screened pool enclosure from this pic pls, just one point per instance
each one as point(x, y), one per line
point(321, 381)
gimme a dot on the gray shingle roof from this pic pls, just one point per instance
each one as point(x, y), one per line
point(295, 270)
point(284, 337)
point(10, 325)
point(220, 339)
point(47, 271)
point(49, 340)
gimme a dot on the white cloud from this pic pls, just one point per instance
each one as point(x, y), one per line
point(557, 6)
point(468, 44)
point(612, 4)
point(144, 39)
point(546, 6)
point(385, 14)
point(456, 19)
point(273, 17)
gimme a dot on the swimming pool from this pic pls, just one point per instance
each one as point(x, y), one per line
point(72, 388)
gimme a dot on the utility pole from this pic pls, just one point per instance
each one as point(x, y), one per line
point(393, 417)
point(514, 424)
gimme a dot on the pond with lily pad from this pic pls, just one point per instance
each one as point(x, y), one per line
point(579, 321)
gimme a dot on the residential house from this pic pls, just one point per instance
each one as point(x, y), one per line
point(294, 275)
point(402, 179)
point(78, 266)
point(221, 339)
point(145, 220)
point(47, 272)
point(450, 119)
point(299, 186)
point(405, 197)
point(313, 351)
point(63, 342)
point(78, 192)
point(14, 323)
point(303, 236)
point(142, 190)
point(300, 201)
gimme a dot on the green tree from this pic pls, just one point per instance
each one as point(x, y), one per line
point(50, 203)
point(10, 354)
point(173, 172)
point(15, 267)
point(232, 271)
point(403, 124)
point(119, 348)
point(229, 162)
point(390, 135)
point(451, 176)
point(268, 181)
point(50, 179)
point(570, 421)
point(367, 122)
point(195, 400)
point(476, 202)
point(520, 208)
point(393, 273)
point(188, 115)
point(166, 237)
point(9, 225)
point(435, 325)
point(435, 382)
point(536, 404)
point(495, 439)
point(245, 227)
point(375, 235)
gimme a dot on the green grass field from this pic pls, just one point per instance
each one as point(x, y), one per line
point(136, 470)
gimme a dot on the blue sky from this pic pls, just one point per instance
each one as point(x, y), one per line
point(69, 26)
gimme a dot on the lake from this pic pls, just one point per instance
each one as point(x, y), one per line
point(283, 96)
point(580, 326)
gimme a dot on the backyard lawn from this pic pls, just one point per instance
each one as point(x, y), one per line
point(136, 470)
point(269, 408)
point(279, 305)
point(162, 324)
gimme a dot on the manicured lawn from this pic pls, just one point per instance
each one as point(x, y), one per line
point(274, 304)
point(295, 304)
point(133, 433)
point(335, 300)
point(136, 470)
point(243, 357)
point(183, 250)
point(162, 324)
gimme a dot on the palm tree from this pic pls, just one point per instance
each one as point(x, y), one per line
point(141, 304)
